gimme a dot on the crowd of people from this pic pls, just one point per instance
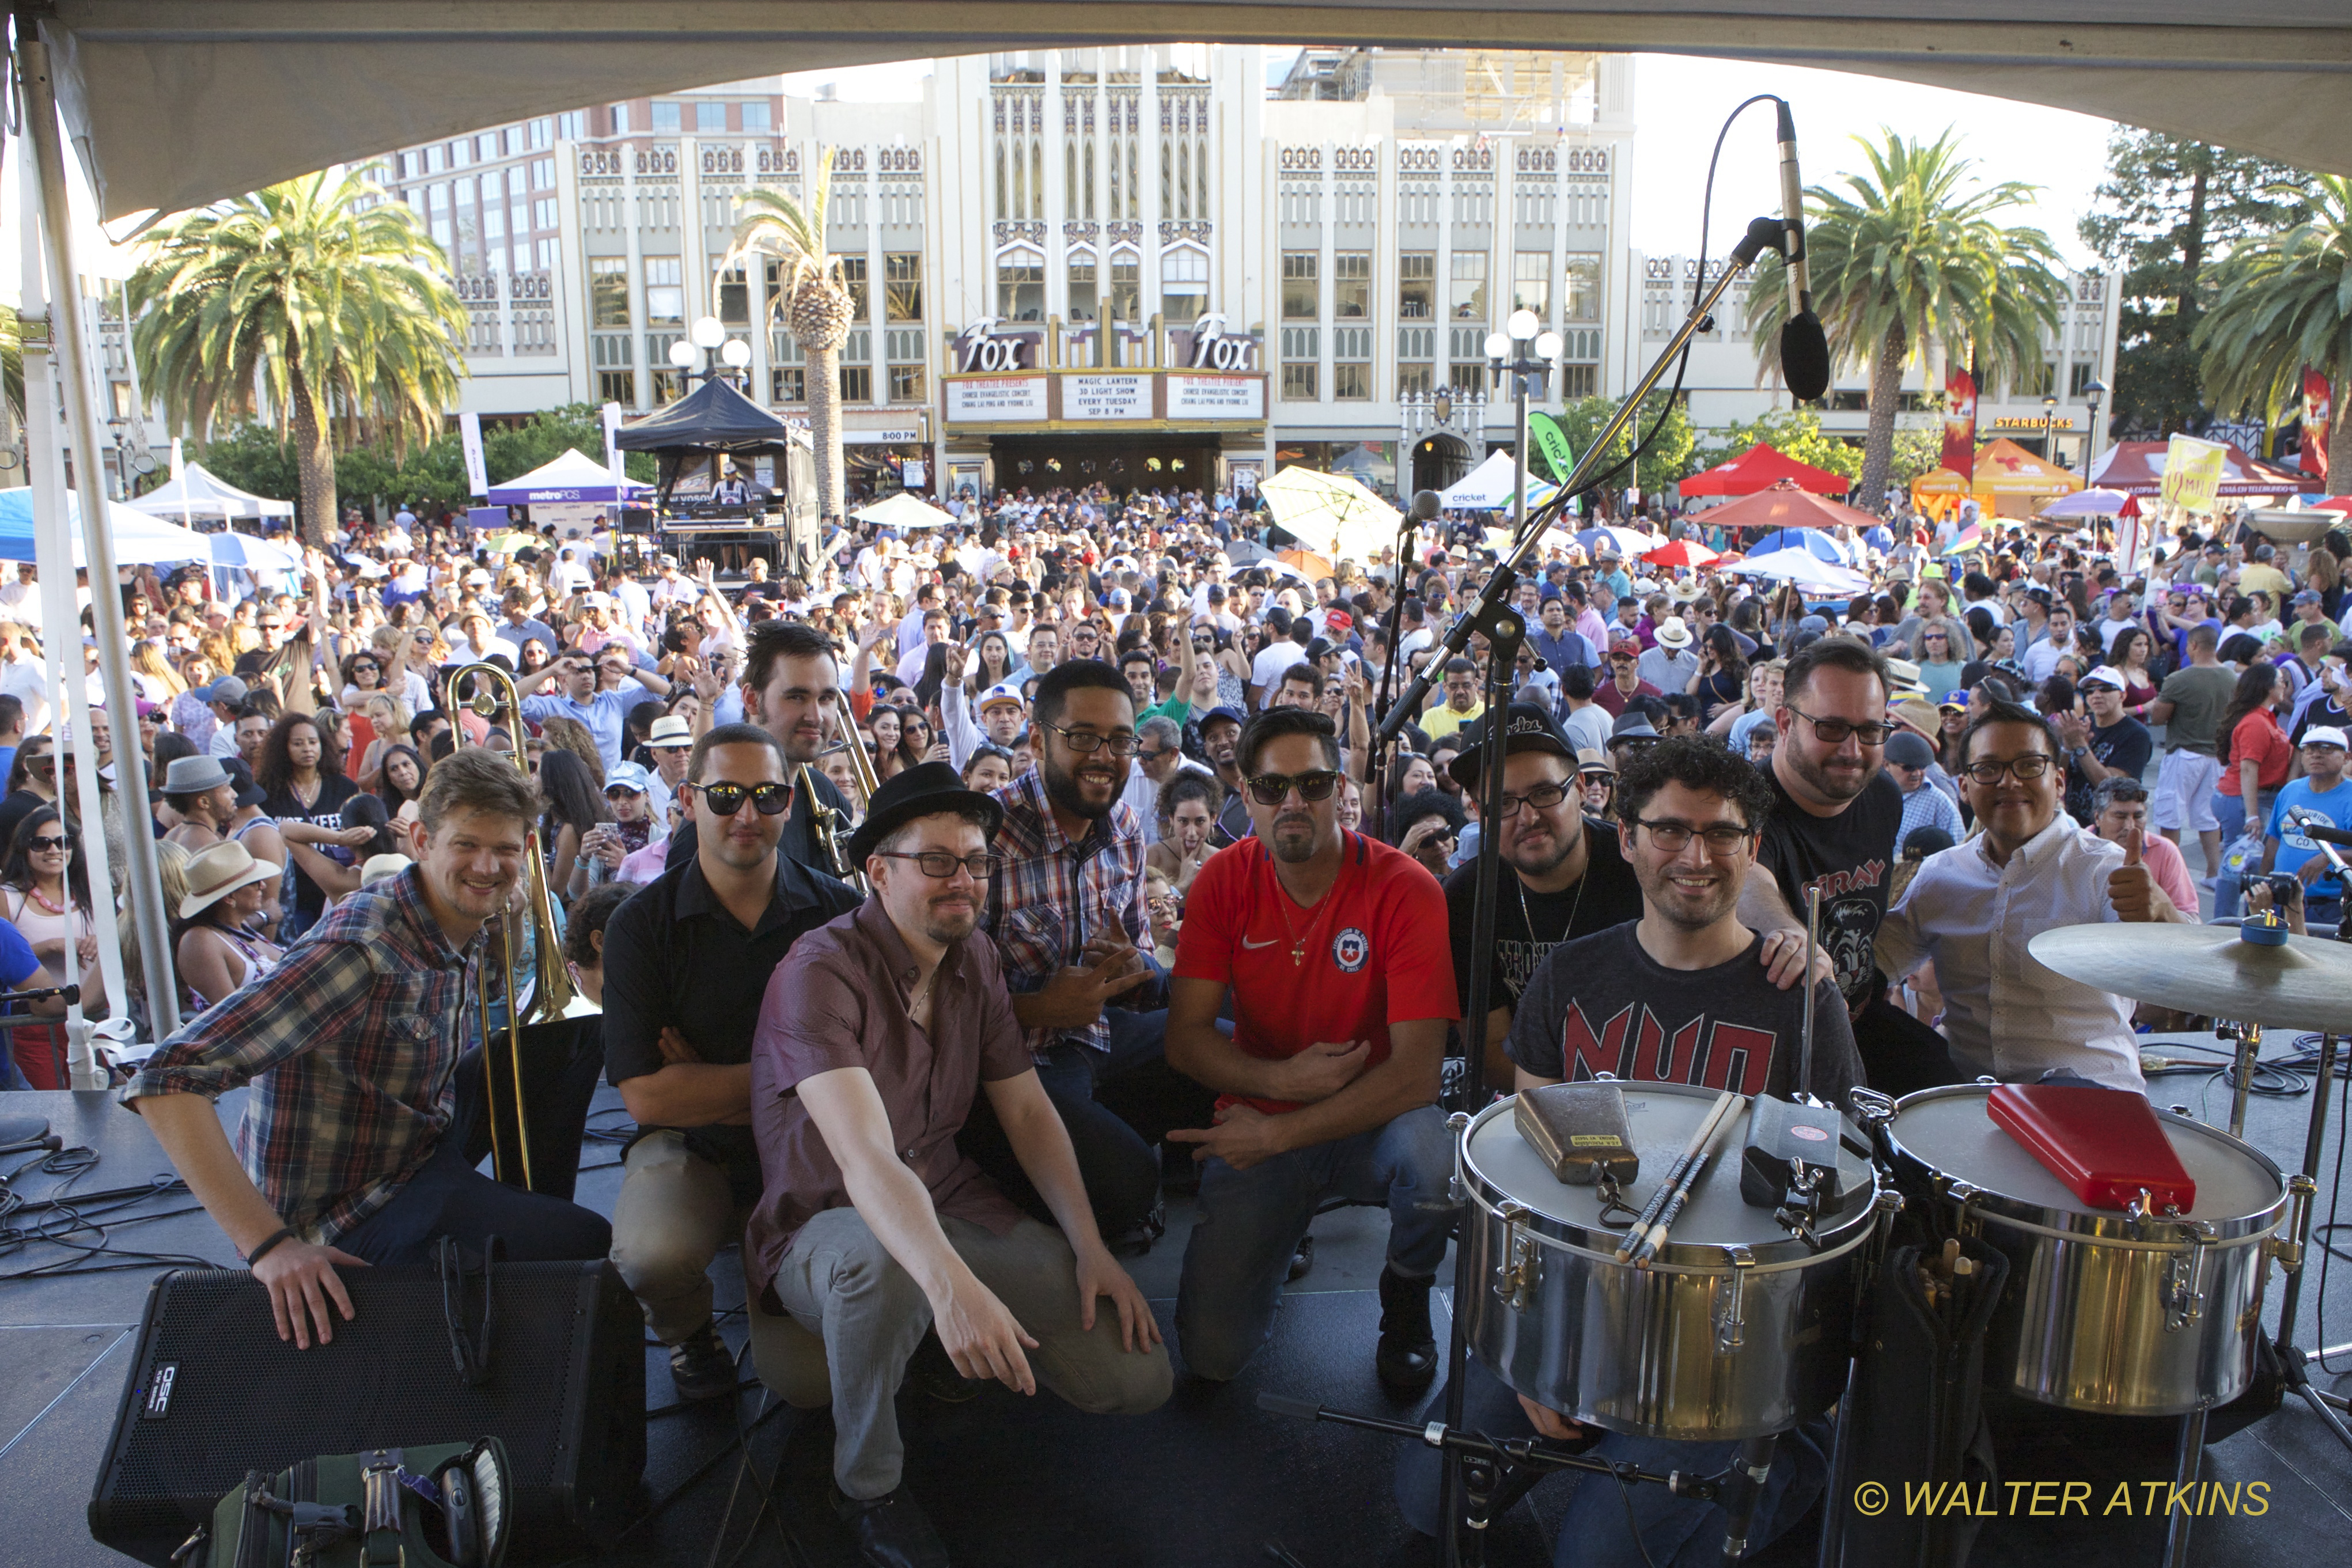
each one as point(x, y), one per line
point(1103, 770)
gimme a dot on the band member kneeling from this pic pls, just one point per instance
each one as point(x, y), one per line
point(877, 1033)
point(1335, 950)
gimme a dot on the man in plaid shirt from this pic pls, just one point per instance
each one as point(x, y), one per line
point(354, 1145)
point(1066, 910)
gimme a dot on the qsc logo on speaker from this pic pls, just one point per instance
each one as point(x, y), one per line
point(159, 1391)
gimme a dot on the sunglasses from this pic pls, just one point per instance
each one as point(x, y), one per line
point(727, 799)
point(1272, 789)
point(49, 845)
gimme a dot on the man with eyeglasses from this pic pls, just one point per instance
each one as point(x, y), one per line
point(580, 693)
point(1833, 825)
point(1677, 993)
point(686, 961)
point(1065, 911)
point(1972, 909)
point(1333, 951)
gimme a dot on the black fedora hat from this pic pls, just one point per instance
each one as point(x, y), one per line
point(923, 790)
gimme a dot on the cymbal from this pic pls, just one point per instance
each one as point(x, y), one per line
point(2305, 983)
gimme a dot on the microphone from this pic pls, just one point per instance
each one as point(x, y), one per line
point(1804, 346)
point(1426, 505)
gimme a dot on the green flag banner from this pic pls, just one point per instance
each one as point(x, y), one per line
point(1551, 445)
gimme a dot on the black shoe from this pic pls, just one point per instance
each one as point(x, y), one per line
point(701, 1366)
point(1301, 1260)
point(931, 1371)
point(1407, 1357)
point(890, 1530)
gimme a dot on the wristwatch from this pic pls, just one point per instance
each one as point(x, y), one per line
point(2076, 753)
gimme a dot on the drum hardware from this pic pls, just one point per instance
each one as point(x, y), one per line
point(1516, 1276)
point(1730, 1327)
point(2248, 1038)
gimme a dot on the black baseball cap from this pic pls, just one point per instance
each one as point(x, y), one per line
point(1525, 728)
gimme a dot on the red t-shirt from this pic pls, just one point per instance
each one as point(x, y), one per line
point(1371, 952)
point(2258, 740)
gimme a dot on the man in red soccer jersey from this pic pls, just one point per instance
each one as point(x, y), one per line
point(1335, 950)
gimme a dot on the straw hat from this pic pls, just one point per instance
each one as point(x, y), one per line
point(216, 872)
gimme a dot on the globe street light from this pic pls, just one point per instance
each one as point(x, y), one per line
point(1508, 353)
point(723, 357)
point(2093, 389)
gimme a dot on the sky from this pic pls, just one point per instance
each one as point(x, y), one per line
point(1679, 105)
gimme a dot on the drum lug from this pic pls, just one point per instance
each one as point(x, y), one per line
point(2184, 1278)
point(2286, 1245)
point(1458, 1124)
point(1872, 1108)
point(1964, 1193)
point(1730, 1325)
point(1514, 1276)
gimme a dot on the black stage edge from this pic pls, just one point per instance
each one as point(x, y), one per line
point(1206, 1482)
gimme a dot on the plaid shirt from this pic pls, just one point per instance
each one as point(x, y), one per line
point(351, 1044)
point(1050, 897)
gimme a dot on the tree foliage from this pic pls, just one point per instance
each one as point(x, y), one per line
point(1669, 456)
point(2282, 301)
point(1906, 258)
point(814, 301)
point(2167, 208)
point(11, 362)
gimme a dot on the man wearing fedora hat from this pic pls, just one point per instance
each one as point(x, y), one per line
point(200, 791)
point(877, 1034)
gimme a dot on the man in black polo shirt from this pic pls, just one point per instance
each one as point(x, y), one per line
point(686, 961)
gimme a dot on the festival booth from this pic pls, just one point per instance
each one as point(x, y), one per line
point(198, 495)
point(2009, 481)
point(1487, 487)
point(1760, 468)
point(2136, 468)
point(573, 491)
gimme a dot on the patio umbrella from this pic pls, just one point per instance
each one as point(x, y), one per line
point(1804, 569)
point(2085, 504)
point(1329, 510)
point(2333, 503)
point(904, 510)
point(1785, 506)
point(1682, 553)
point(234, 548)
point(1630, 541)
point(1304, 560)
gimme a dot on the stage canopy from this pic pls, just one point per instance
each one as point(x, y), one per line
point(173, 105)
point(2136, 468)
point(1760, 468)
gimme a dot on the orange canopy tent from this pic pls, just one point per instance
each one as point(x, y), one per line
point(2009, 481)
point(1760, 468)
point(1785, 506)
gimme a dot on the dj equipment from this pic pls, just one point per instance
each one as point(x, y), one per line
point(2123, 1314)
point(1736, 1328)
point(214, 1393)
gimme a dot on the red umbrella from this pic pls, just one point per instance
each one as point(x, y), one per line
point(2333, 503)
point(2131, 508)
point(1682, 553)
point(1760, 468)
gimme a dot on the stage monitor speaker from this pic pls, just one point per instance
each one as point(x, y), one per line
point(214, 1393)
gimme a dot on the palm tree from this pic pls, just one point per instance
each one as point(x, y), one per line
point(1910, 263)
point(2285, 303)
point(312, 302)
point(814, 301)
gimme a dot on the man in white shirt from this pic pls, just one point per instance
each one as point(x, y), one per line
point(1972, 908)
point(2057, 640)
point(570, 575)
point(20, 599)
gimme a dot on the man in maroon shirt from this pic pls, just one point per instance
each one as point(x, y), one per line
point(1624, 682)
point(876, 1031)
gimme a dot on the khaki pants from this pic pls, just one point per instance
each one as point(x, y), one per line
point(839, 1284)
point(674, 1211)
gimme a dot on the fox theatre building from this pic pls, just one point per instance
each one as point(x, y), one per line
point(1049, 406)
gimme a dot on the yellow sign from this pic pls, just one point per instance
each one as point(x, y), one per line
point(2025, 422)
point(2193, 474)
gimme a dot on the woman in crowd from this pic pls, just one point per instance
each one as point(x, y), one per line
point(882, 741)
point(215, 937)
point(1410, 772)
point(989, 768)
point(157, 681)
point(1427, 826)
point(46, 896)
point(1939, 661)
point(574, 802)
point(1187, 805)
point(1722, 673)
point(571, 735)
point(2254, 750)
point(305, 790)
point(629, 828)
point(992, 664)
point(1232, 669)
point(401, 777)
point(172, 873)
point(2130, 655)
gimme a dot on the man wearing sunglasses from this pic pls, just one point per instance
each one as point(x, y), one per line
point(686, 962)
point(1972, 909)
point(2107, 743)
point(1333, 949)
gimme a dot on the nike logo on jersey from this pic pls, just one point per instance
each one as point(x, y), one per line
point(1253, 945)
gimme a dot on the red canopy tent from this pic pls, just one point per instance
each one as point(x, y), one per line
point(1785, 506)
point(1760, 468)
point(2137, 467)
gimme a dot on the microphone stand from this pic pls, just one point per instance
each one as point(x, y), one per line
point(1494, 617)
point(1424, 508)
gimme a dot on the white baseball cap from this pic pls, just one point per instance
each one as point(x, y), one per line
point(2326, 735)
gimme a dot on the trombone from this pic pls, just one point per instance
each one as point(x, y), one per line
point(825, 822)
point(496, 700)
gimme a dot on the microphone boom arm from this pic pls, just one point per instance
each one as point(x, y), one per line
point(1763, 234)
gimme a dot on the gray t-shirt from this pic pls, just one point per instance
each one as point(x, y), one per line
point(1601, 1004)
point(2199, 694)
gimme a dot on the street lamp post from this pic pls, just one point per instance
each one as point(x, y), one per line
point(722, 356)
point(1522, 332)
point(2095, 389)
point(2050, 428)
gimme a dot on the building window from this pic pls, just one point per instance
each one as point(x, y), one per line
point(1298, 382)
point(1579, 381)
point(669, 384)
point(1020, 287)
point(1301, 295)
point(1126, 290)
point(1351, 284)
point(1416, 285)
point(665, 292)
point(788, 384)
point(543, 173)
point(906, 384)
point(1082, 289)
point(857, 384)
point(616, 386)
point(853, 277)
point(1415, 380)
point(1467, 300)
point(572, 125)
point(1184, 285)
point(542, 212)
point(1531, 283)
point(1351, 383)
point(543, 131)
point(666, 120)
point(437, 158)
point(1467, 378)
point(620, 120)
point(902, 285)
point(709, 117)
point(608, 291)
point(759, 117)
point(735, 299)
point(1581, 300)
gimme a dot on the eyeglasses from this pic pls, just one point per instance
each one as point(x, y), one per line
point(1834, 732)
point(2031, 765)
point(727, 799)
point(1086, 743)
point(1723, 838)
point(1543, 797)
point(49, 845)
point(939, 864)
point(1273, 789)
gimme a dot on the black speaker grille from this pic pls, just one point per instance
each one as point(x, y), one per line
point(566, 1395)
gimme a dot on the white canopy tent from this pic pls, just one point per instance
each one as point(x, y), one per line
point(1487, 487)
point(200, 493)
point(138, 538)
point(905, 510)
point(573, 478)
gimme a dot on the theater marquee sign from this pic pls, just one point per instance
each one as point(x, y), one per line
point(1104, 400)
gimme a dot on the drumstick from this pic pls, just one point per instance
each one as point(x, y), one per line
point(1657, 1240)
point(1698, 1141)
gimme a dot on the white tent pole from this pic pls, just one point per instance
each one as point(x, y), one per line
point(71, 349)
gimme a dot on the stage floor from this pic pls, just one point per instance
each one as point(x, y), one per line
point(1209, 1482)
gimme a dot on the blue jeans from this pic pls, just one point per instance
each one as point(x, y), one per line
point(1251, 1222)
point(1594, 1532)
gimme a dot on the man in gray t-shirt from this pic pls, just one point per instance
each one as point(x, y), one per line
point(2189, 706)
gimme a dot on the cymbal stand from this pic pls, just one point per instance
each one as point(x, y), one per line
point(2242, 1072)
point(2296, 1252)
